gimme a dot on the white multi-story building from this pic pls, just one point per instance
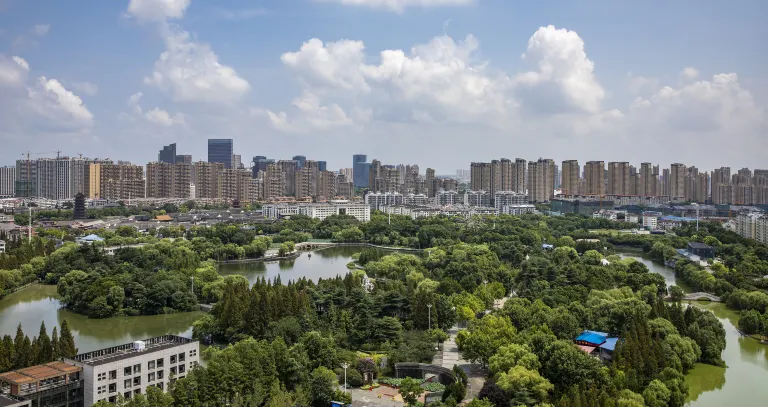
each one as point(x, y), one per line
point(444, 198)
point(505, 198)
point(518, 209)
point(415, 199)
point(753, 225)
point(411, 211)
point(2, 246)
point(377, 200)
point(319, 210)
point(129, 369)
point(7, 182)
point(477, 198)
point(651, 220)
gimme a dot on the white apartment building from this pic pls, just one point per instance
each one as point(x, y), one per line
point(411, 211)
point(129, 369)
point(444, 198)
point(2, 246)
point(651, 220)
point(505, 198)
point(415, 199)
point(7, 182)
point(477, 198)
point(753, 225)
point(518, 210)
point(377, 200)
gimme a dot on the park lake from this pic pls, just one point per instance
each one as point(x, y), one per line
point(742, 382)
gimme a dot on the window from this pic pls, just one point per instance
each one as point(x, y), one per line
point(137, 368)
point(173, 370)
point(160, 385)
point(159, 375)
point(193, 352)
point(137, 391)
point(101, 389)
point(182, 368)
point(160, 363)
point(151, 364)
point(137, 381)
point(113, 399)
point(113, 387)
point(127, 395)
point(127, 383)
point(127, 371)
point(102, 376)
point(151, 377)
point(173, 358)
point(113, 375)
point(182, 357)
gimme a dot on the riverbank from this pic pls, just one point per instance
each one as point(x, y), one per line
point(742, 382)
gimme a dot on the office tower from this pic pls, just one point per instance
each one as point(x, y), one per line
point(480, 177)
point(649, 176)
point(274, 182)
point(301, 160)
point(220, 151)
point(618, 178)
point(322, 165)
point(541, 180)
point(594, 178)
point(166, 180)
point(208, 179)
point(519, 183)
point(721, 186)
point(676, 182)
point(327, 185)
point(237, 161)
point(184, 158)
point(7, 182)
point(260, 163)
point(570, 178)
point(360, 170)
point(167, 154)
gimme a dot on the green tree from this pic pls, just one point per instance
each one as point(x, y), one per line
point(55, 346)
point(45, 352)
point(751, 322)
point(322, 386)
point(512, 355)
point(67, 347)
point(477, 402)
point(656, 394)
point(485, 337)
point(676, 293)
point(521, 381)
point(410, 390)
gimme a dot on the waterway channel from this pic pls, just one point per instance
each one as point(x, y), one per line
point(743, 382)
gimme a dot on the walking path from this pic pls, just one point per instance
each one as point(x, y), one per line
point(450, 356)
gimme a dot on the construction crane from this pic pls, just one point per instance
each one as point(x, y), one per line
point(29, 175)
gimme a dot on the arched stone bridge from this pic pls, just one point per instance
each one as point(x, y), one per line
point(702, 296)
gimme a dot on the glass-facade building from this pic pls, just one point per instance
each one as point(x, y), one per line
point(220, 151)
point(360, 170)
point(167, 154)
point(301, 161)
point(322, 165)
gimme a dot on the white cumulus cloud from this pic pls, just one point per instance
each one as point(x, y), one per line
point(190, 71)
point(87, 88)
point(157, 10)
point(400, 5)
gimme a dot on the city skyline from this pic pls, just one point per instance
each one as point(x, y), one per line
point(448, 86)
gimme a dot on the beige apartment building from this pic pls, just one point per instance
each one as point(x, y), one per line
point(208, 180)
point(570, 179)
point(165, 180)
point(594, 178)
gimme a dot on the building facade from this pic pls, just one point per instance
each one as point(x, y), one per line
point(129, 369)
point(167, 154)
point(570, 179)
point(7, 182)
point(208, 180)
point(221, 151)
point(168, 180)
point(594, 177)
point(541, 180)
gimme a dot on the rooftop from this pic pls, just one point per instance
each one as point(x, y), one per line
point(38, 373)
point(127, 351)
point(698, 245)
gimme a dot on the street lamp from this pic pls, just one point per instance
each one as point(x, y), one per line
point(429, 315)
point(345, 365)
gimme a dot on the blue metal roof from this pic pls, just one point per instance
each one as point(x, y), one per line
point(592, 337)
point(610, 344)
point(93, 237)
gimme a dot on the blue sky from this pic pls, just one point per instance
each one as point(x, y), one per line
point(609, 80)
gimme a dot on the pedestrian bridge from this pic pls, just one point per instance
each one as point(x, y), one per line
point(702, 296)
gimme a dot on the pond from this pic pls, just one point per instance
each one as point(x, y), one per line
point(742, 383)
point(37, 303)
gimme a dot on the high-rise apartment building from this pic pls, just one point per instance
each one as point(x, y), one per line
point(570, 178)
point(26, 178)
point(618, 178)
point(327, 186)
point(721, 186)
point(60, 178)
point(260, 163)
point(701, 190)
point(105, 180)
point(594, 178)
point(208, 180)
point(237, 161)
point(167, 154)
point(649, 176)
point(519, 176)
point(480, 176)
point(432, 182)
point(498, 175)
point(306, 179)
point(168, 180)
point(274, 182)
point(541, 180)
point(221, 151)
point(677, 176)
point(7, 182)
point(236, 185)
point(288, 168)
